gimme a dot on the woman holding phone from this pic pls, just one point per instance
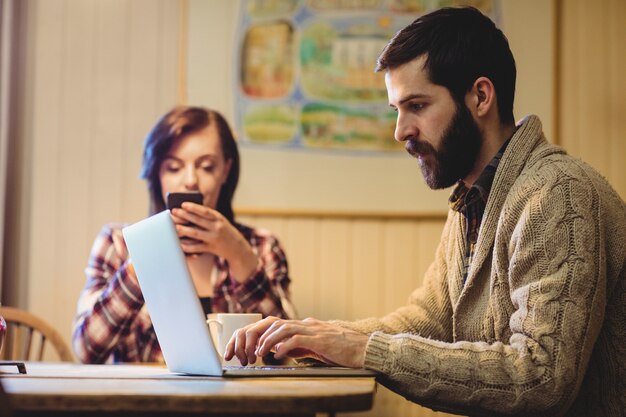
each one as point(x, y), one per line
point(235, 268)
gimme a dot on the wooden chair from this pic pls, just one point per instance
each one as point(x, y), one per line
point(22, 329)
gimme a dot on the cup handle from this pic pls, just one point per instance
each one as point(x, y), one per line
point(219, 323)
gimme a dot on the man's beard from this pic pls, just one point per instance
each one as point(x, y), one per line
point(456, 155)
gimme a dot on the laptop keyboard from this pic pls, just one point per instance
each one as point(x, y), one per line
point(262, 367)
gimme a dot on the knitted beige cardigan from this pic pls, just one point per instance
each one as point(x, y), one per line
point(539, 328)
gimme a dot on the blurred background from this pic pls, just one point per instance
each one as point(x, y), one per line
point(82, 82)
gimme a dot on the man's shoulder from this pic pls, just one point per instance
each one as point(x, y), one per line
point(560, 167)
point(567, 178)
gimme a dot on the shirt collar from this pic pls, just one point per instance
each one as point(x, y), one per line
point(478, 193)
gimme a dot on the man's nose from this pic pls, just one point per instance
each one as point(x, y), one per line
point(404, 129)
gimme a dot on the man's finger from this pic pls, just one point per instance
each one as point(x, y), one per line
point(279, 333)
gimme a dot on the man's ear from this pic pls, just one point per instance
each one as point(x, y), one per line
point(482, 97)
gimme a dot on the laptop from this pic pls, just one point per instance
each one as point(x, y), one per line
point(176, 312)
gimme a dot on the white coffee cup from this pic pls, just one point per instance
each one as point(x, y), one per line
point(224, 325)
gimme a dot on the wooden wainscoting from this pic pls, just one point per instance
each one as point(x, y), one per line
point(592, 87)
point(352, 267)
point(355, 266)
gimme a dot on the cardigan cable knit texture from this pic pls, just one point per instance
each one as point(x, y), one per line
point(539, 328)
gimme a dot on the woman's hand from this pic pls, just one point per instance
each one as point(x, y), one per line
point(213, 233)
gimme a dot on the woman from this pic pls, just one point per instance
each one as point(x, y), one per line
point(235, 268)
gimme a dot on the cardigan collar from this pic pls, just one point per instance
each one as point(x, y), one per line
point(519, 153)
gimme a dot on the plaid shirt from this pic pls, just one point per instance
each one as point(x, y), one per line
point(112, 321)
point(471, 202)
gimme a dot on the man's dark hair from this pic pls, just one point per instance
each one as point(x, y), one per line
point(179, 122)
point(461, 45)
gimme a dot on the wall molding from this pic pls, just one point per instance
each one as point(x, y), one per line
point(337, 214)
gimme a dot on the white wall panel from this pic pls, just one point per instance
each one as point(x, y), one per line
point(336, 273)
point(102, 72)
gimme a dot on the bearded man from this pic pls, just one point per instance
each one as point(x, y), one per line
point(523, 309)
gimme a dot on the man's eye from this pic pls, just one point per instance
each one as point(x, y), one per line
point(416, 106)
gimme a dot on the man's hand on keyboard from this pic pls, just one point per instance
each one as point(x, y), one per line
point(312, 338)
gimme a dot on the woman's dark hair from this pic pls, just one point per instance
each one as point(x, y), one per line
point(178, 122)
point(461, 45)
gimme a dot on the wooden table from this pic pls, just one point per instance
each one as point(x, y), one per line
point(50, 389)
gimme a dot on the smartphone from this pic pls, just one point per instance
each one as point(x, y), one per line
point(175, 200)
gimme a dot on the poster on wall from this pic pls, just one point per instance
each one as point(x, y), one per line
point(306, 76)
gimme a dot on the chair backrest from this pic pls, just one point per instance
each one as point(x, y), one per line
point(27, 332)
